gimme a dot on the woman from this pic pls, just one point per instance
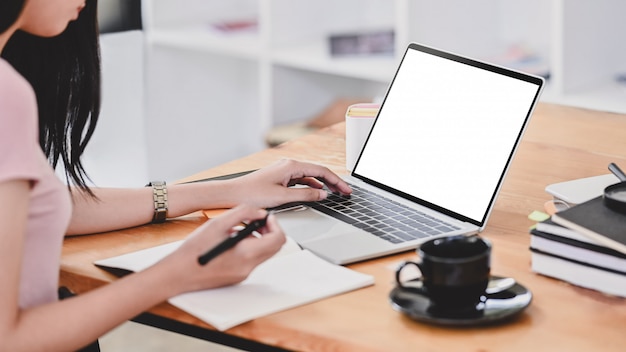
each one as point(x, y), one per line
point(49, 102)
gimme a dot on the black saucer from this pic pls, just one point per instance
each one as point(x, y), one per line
point(493, 308)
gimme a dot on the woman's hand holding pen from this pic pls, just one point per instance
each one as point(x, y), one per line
point(270, 186)
point(184, 273)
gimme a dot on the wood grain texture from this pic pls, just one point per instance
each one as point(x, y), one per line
point(561, 143)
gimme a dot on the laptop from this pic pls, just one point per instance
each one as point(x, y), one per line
point(438, 152)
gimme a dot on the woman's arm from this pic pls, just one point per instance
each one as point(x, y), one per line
point(74, 322)
point(267, 187)
point(118, 208)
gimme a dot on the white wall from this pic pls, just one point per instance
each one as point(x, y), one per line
point(117, 154)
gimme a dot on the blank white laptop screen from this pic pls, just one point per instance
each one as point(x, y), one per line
point(446, 132)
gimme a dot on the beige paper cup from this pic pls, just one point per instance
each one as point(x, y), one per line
point(359, 121)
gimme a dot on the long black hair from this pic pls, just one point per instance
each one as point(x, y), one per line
point(64, 71)
point(9, 11)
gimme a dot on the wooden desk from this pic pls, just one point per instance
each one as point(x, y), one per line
point(561, 143)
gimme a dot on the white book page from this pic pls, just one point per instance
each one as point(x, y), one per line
point(292, 277)
point(281, 283)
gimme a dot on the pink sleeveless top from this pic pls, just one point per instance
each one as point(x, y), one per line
point(50, 207)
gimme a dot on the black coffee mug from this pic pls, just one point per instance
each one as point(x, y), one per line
point(455, 270)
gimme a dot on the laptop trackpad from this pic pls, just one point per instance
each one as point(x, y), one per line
point(329, 238)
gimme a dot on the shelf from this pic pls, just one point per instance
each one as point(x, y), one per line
point(315, 57)
point(243, 45)
point(280, 70)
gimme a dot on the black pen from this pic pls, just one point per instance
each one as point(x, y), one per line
point(231, 241)
point(617, 172)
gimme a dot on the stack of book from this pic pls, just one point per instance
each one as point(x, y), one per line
point(584, 245)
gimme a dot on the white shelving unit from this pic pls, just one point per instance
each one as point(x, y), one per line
point(216, 94)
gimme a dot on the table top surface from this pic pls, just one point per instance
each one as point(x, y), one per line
point(560, 144)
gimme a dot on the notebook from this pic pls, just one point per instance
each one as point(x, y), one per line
point(441, 145)
point(581, 190)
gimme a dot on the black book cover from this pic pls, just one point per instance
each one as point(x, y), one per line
point(594, 219)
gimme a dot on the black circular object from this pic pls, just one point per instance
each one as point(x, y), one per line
point(493, 308)
point(615, 197)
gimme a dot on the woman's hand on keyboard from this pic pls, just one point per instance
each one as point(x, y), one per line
point(286, 181)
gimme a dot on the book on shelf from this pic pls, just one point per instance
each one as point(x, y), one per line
point(291, 278)
point(363, 43)
point(595, 220)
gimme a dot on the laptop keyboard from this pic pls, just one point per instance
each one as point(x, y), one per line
point(381, 216)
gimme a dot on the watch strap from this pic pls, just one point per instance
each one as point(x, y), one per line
point(159, 196)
